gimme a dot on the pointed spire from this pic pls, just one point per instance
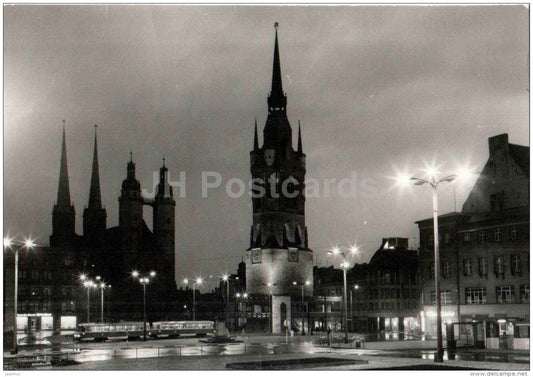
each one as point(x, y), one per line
point(131, 155)
point(95, 200)
point(277, 86)
point(256, 139)
point(276, 100)
point(300, 149)
point(63, 191)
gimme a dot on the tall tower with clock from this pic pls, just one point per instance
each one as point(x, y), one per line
point(279, 261)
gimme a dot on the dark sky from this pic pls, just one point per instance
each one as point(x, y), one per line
point(378, 90)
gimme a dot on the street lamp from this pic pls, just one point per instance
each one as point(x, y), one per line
point(102, 287)
point(433, 182)
point(239, 297)
point(302, 284)
point(144, 280)
point(8, 244)
point(355, 287)
point(88, 284)
point(344, 265)
point(196, 283)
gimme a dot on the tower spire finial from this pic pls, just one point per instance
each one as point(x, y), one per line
point(95, 199)
point(276, 99)
point(300, 148)
point(131, 155)
point(63, 191)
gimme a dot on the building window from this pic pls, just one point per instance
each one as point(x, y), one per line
point(35, 274)
point(524, 294)
point(516, 265)
point(482, 236)
point(467, 237)
point(498, 235)
point(505, 294)
point(68, 260)
point(432, 270)
point(446, 269)
point(447, 238)
point(476, 295)
point(514, 232)
point(430, 241)
point(467, 267)
point(499, 266)
point(483, 266)
point(445, 297)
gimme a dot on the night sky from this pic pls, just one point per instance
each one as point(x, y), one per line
point(379, 90)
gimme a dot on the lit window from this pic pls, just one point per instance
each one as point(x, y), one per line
point(524, 294)
point(476, 295)
point(483, 266)
point(467, 267)
point(505, 294)
point(499, 266)
point(516, 264)
point(446, 269)
point(467, 237)
point(445, 297)
point(482, 236)
point(498, 235)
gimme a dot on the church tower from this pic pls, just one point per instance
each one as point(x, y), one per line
point(63, 214)
point(164, 223)
point(130, 205)
point(278, 261)
point(94, 216)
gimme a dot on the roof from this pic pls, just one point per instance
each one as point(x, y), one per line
point(520, 155)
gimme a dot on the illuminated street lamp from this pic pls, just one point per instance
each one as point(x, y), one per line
point(353, 250)
point(144, 280)
point(102, 286)
point(195, 284)
point(356, 288)
point(434, 182)
point(302, 284)
point(9, 244)
point(88, 284)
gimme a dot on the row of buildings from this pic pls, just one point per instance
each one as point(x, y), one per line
point(484, 258)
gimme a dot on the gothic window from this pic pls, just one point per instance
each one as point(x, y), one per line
point(293, 255)
point(256, 256)
point(467, 267)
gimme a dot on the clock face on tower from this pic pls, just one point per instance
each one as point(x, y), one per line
point(270, 156)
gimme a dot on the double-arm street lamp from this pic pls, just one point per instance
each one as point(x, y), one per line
point(16, 247)
point(196, 283)
point(353, 250)
point(88, 284)
point(433, 182)
point(144, 280)
point(102, 285)
point(302, 284)
point(430, 178)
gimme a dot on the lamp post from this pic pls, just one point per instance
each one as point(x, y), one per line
point(355, 287)
point(88, 284)
point(434, 183)
point(302, 284)
point(102, 287)
point(8, 244)
point(144, 280)
point(196, 283)
point(344, 265)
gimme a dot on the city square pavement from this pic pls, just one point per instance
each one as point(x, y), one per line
point(375, 355)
